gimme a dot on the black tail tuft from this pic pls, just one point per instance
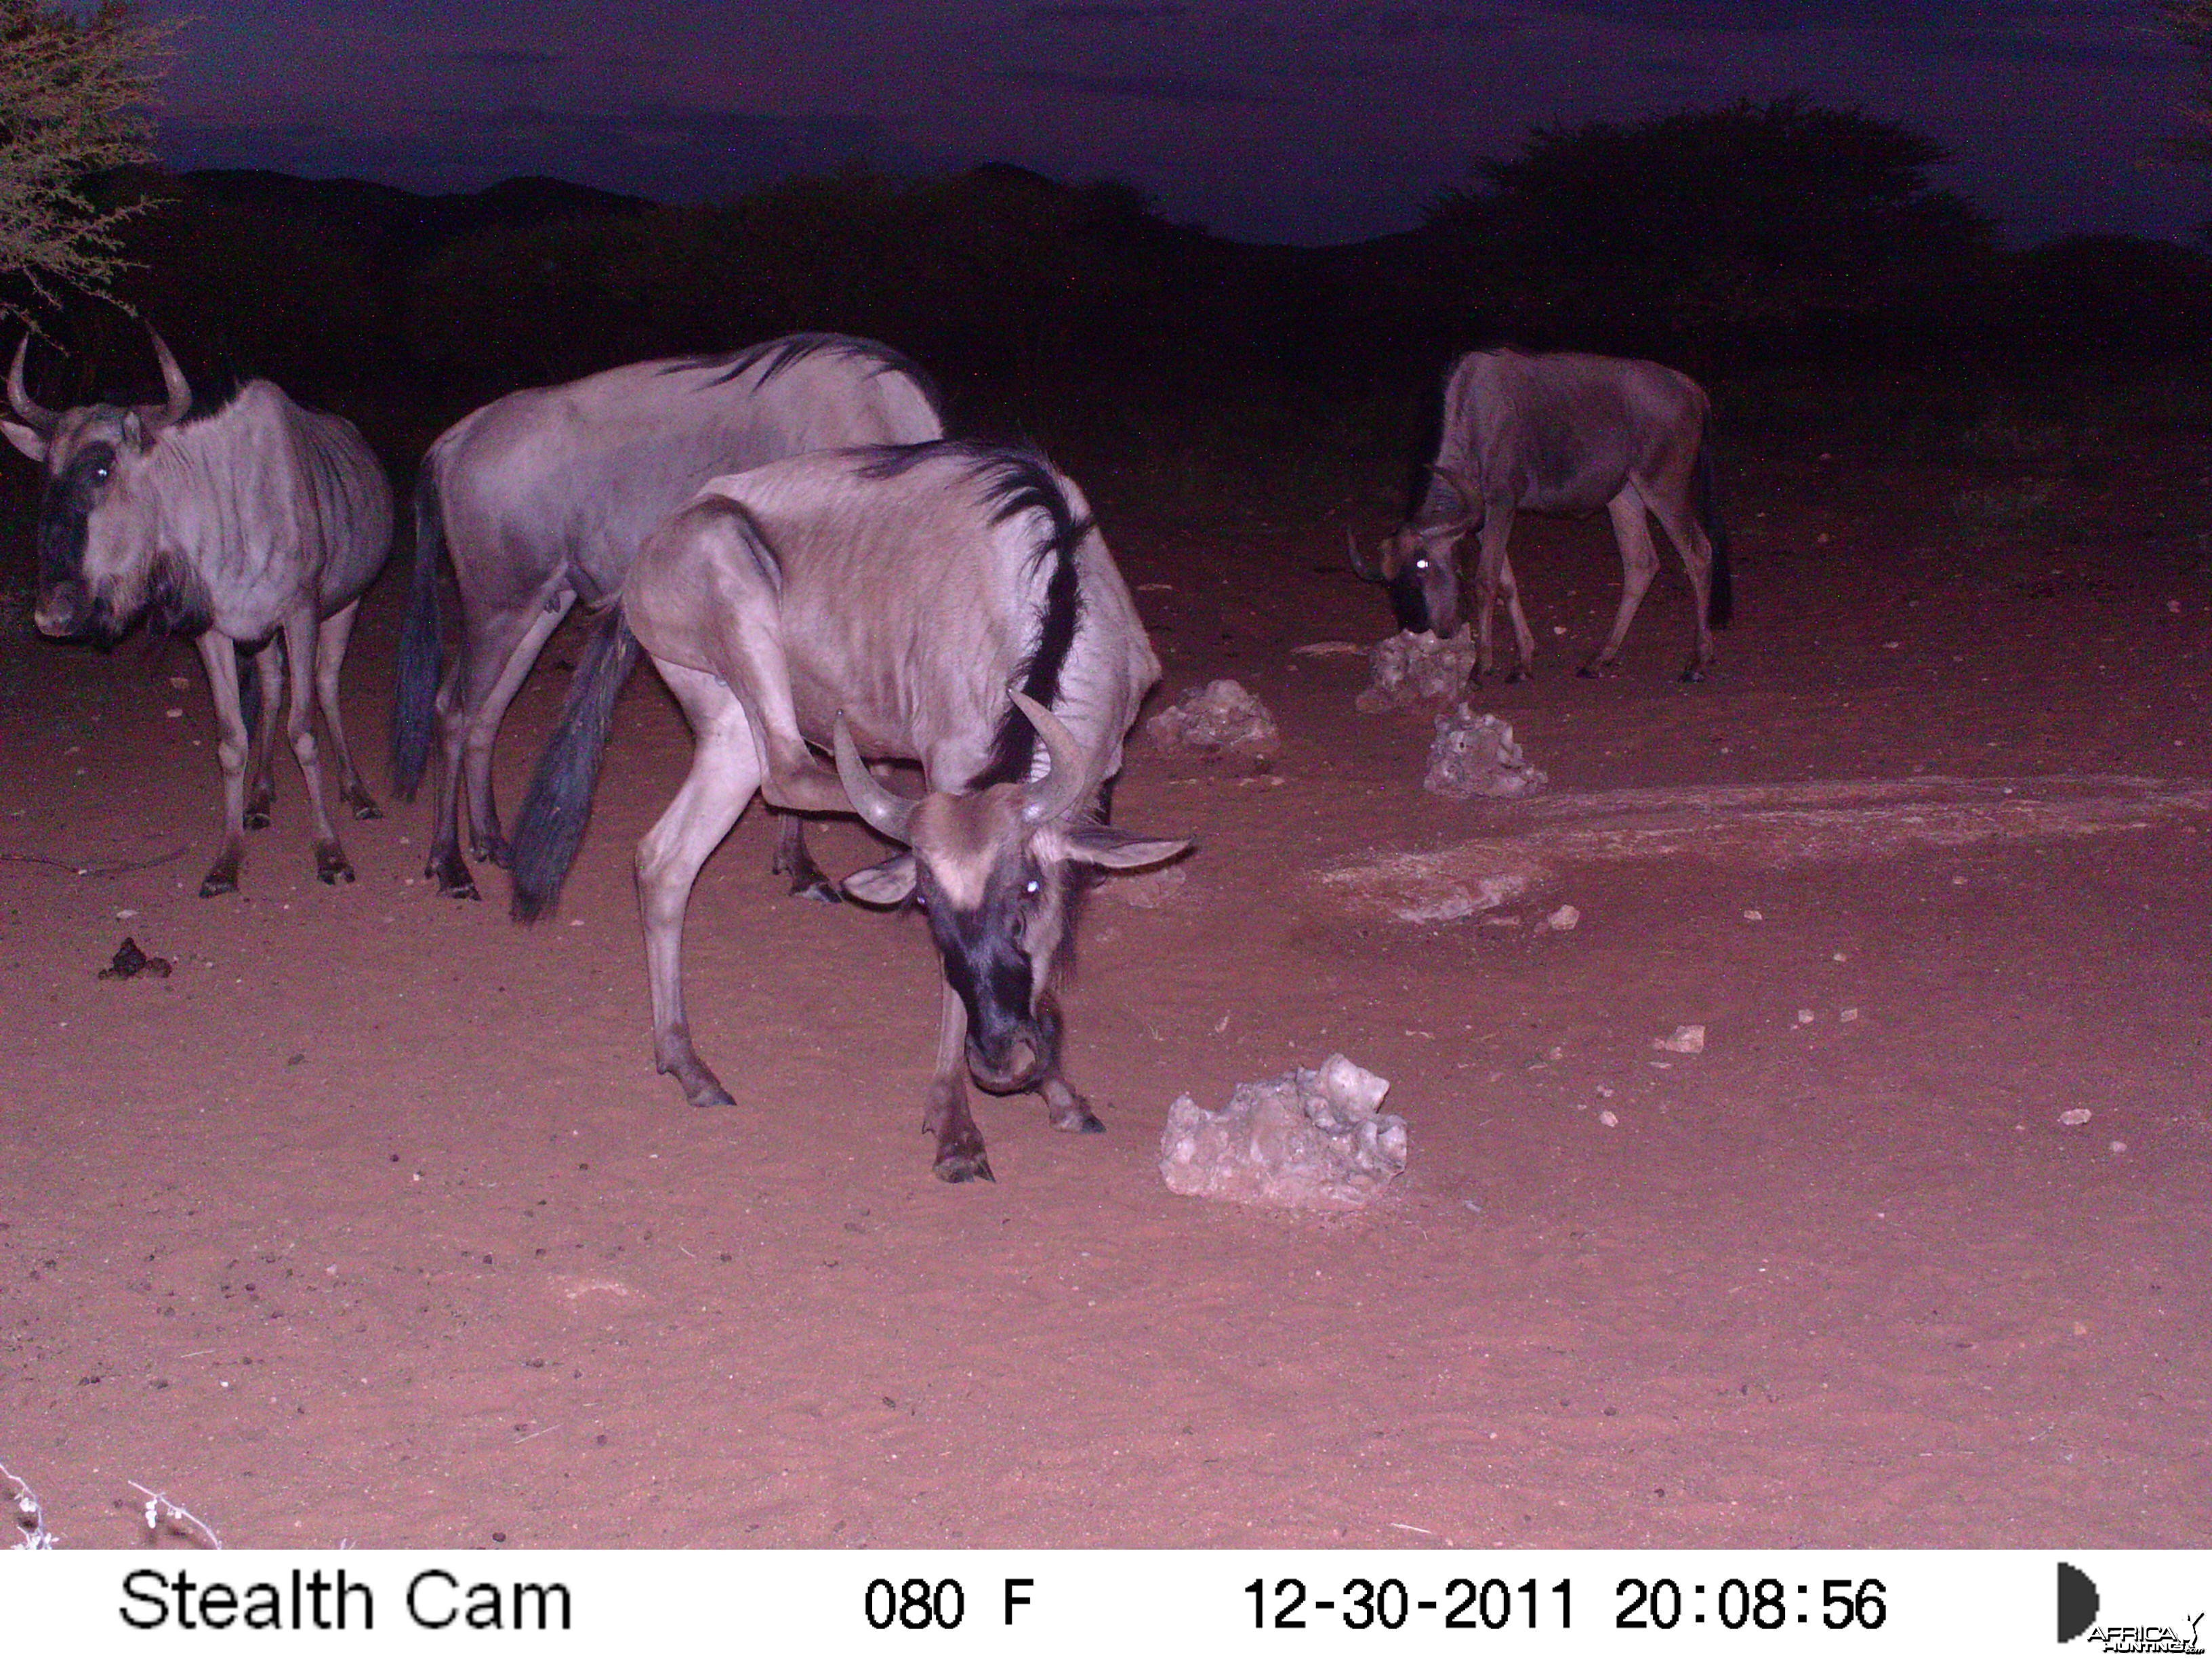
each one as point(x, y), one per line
point(559, 804)
point(250, 694)
point(413, 703)
point(1720, 609)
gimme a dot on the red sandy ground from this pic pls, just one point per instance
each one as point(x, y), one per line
point(374, 1224)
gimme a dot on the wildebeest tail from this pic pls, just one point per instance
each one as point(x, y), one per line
point(1721, 607)
point(413, 703)
point(249, 693)
point(559, 804)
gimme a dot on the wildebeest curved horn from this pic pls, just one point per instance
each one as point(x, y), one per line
point(173, 378)
point(878, 805)
point(1468, 491)
point(1360, 567)
point(32, 414)
point(1068, 789)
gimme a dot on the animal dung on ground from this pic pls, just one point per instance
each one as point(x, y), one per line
point(1220, 718)
point(1306, 1141)
point(1410, 668)
point(1474, 757)
point(129, 962)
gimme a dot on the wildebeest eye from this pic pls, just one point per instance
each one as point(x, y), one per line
point(1032, 887)
point(1420, 564)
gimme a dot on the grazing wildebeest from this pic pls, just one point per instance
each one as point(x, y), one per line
point(542, 498)
point(1561, 433)
point(948, 603)
point(255, 526)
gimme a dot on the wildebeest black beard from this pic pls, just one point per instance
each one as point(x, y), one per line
point(177, 602)
point(1409, 604)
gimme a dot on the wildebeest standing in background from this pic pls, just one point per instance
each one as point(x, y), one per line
point(541, 499)
point(1561, 433)
point(255, 526)
point(949, 603)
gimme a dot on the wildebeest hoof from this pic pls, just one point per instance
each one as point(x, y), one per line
point(818, 889)
point(452, 875)
point(365, 809)
point(331, 865)
point(1077, 1120)
point(1693, 675)
point(257, 816)
point(223, 878)
point(954, 1168)
point(701, 1088)
point(1517, 677)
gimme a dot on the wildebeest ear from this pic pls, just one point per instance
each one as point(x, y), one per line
point(882, 885)
point(31, 441)
point(1120, 849)
point(134, 432)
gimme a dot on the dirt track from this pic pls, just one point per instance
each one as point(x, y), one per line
point(373, 1223)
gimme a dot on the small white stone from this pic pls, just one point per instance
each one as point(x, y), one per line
point(1806, 1015)
point(1686, 1040)
point(1754, 915)
point(2076, 1118)
point(1564, 920)
point(1848, 1015)
point(1608, 1120)
point(2119, 1146)
point(173, 714)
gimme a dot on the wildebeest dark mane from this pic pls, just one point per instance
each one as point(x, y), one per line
point(1017, 480)
point(779, 355)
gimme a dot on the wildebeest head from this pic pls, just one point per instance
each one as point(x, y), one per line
point(995, 871)
point(1419, 564)
point(100, 557)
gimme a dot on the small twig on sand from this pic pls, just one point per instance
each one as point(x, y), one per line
point(30, 1515)
point(99, 869)
point(160, 1510)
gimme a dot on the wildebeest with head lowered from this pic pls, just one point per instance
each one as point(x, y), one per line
point(947, 603)
point(1560, 433)
point(541, 499)
point(255, 526)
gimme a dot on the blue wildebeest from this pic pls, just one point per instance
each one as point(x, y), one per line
point(1560, 433)
point(948, 603)
point(541, 499)
point(254, 527)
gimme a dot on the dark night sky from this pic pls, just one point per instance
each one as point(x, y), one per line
point(1289, 120)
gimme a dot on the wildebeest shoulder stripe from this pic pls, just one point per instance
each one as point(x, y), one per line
point(1018, 480)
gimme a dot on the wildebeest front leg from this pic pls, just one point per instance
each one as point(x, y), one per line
point(300, 628)
point(960, 1154)
point(1639, 562)
point(725, 772)
point(220, 657)
point(331, 650)
point(791, 859)
point(1493, 578)
point(268, 689)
